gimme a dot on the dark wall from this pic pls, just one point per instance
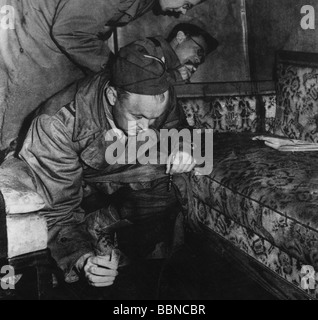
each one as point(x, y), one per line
point(223, 21)
point(275, 25)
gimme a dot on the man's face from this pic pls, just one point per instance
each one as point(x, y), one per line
point(191, 51)
point(178, 6)
point(138, 113)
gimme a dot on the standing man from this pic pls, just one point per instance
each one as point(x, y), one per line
point(47, 45)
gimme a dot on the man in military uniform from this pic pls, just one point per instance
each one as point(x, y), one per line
point(66, 149)
point(47, 45)
point(185, 49)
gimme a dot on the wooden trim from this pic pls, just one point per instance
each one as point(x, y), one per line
point(42, 262)
point(3, 229)
point(217, 89)
point(265, 277)
point(245, 38)
point(303, 59)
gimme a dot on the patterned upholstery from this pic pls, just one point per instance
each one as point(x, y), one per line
point(297, 97)
point(223, 114)
point(264, 202)
point(230, 114)
point(261, 200)
point(270, 105)
point(256, 247)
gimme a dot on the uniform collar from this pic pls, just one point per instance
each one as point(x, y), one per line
point(170, 54)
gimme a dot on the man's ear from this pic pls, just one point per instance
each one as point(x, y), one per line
point(181, 37)
point(111, 95)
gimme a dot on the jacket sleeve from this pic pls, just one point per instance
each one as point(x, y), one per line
point(79, 31)
point(51, 154)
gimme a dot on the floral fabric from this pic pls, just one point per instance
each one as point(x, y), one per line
point(230, 114)
point(223, 114)
point(270, 195)
point(256, 247)
point(270, 105)
point(297, 102)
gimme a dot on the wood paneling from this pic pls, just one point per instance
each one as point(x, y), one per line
point(275, 25)
point(241, 88)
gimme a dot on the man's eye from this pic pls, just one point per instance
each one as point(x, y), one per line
point(200, 53)
point(188, 6)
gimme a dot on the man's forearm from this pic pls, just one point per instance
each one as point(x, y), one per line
point(79, 31)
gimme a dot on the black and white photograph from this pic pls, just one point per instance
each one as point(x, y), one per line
point(158, 154)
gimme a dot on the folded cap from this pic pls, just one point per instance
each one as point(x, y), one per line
point(136, 71)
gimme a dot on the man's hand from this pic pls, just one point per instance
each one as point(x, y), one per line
point(102, 271)
point(180, 162)
point(187, 71)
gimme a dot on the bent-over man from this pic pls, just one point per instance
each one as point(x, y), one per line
point(66, 149)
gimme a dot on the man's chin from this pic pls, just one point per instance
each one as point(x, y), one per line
point(192, 70)
point(173, 14)
point(158, 11)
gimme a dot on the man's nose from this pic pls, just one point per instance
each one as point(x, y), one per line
point(183, 11)
point(144, 124)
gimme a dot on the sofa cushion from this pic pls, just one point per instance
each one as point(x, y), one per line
point(297, 96)
point(26, 233)
point(19, 199)
point(17, 187)
point(23, 230)
point(273, 194)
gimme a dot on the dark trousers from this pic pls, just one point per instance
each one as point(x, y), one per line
point(142, 219)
